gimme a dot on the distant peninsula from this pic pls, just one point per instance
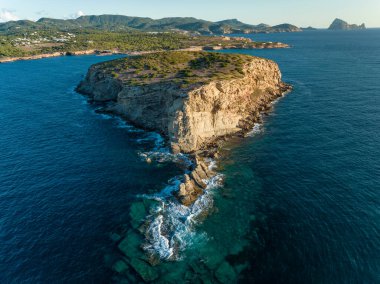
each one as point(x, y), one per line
point(126, 23)
point(339, 24)
point(309, 29)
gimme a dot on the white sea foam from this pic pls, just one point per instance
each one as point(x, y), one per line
point(105, 116)
point(211, 164)
point(161, 153)
point(171, 227)
point(257, 128)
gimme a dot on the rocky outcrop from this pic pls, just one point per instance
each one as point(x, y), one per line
point(339, 24)
point(193, 119)
point(194, 183)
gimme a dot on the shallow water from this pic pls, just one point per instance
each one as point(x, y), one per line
point(300, 203)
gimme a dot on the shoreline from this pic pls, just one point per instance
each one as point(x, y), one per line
point(132, 53)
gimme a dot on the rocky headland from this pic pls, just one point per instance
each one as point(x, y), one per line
point(195, 100)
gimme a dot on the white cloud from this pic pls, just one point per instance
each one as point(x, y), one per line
point(76, 15)
point(80, 13)
point(7, 15)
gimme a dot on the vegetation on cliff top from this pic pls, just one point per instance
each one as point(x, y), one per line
point(184, 69)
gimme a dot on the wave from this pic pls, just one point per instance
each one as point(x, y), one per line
point(161, 152)
point(256, 129)
point(171, 226)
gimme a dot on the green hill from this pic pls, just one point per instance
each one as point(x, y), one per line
point(126, 23)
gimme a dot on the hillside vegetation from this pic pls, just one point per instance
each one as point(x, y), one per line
point(49, 41)
point(126, 23)
point(184, 69)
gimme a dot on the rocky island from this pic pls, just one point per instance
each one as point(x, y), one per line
point(339, 24)
point(195, 100)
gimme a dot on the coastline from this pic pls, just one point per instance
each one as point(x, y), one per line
point(134, 53)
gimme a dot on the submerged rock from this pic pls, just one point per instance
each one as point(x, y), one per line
point(137, 213)
point(130, 245)
point(120, 266)
point(225, 273)
point(146, 272)
point(115, 237)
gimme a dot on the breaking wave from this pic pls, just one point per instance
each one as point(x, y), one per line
point(256, 129)
point(161, 152)
point(171, 226)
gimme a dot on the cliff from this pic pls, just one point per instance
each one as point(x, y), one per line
point(339, 24)
point(192, 98)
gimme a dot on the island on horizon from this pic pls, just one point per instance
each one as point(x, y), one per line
point(339, 24)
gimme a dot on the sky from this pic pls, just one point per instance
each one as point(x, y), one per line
point(303, 13)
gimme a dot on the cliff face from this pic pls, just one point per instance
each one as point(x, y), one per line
point(195, 117)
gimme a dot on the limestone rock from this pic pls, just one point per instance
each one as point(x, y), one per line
point(188, 191)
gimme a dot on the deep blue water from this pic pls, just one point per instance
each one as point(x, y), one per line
point(67, 174)
point(301, 198)
point(314, 172)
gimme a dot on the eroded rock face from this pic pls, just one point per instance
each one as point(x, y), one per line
point(194, 118)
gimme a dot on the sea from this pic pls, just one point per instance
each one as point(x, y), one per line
point(296, 201)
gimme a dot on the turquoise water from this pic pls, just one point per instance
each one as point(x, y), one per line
point(300, 201)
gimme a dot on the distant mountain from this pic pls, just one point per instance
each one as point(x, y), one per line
point(126, 23)
point(309, 29)
point(286, 28)
point(339, 24)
